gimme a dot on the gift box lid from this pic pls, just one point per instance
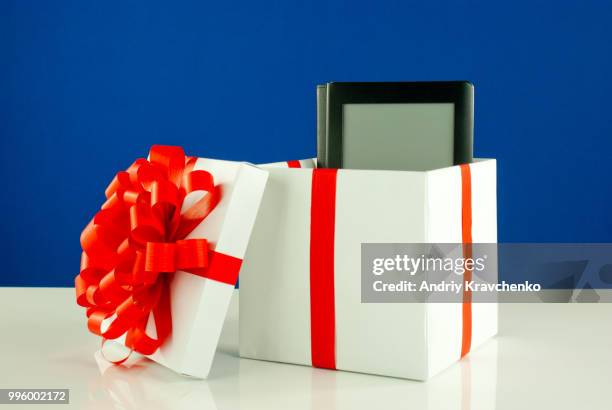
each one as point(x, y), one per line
point(198, 298)
point(200, 304)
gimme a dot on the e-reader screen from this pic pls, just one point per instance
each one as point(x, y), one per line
point(398, 136)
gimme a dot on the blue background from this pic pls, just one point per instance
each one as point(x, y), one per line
point(86, 87)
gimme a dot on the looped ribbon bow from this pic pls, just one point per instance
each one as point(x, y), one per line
point(135, 243)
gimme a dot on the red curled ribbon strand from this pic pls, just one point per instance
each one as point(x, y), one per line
point(136, 241)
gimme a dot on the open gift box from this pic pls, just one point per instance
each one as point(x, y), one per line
point(300, 286)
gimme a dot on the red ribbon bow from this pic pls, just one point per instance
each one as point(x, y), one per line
point(136, 241)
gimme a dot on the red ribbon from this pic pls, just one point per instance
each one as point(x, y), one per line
point(322, 299)
point(135, 243)
point(294, 164)
point(466, 239)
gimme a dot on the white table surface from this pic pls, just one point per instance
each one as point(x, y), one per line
point(547, 356)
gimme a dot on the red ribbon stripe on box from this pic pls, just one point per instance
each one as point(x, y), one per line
point(466, 239)
point(294, 164)
point(135, 243)
point(322, 299)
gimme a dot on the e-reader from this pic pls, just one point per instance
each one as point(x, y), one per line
point(413, 126)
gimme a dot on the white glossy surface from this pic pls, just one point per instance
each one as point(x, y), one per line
point(553, 356)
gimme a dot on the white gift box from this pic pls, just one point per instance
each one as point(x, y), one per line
point(198, 304)
point(406, 340)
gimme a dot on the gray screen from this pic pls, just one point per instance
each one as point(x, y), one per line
point(413, 137)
